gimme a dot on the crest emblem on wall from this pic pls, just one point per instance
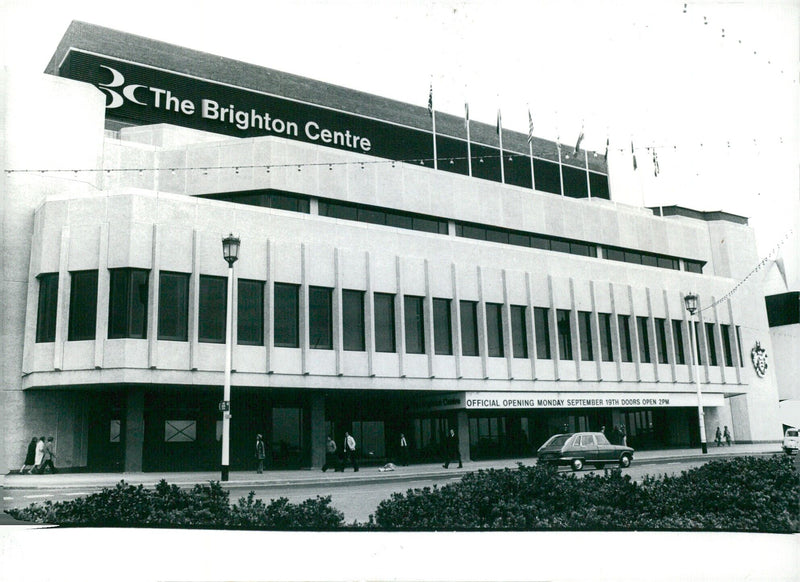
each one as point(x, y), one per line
point(759, 357)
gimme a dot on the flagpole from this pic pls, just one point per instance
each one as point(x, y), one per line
point(588, 182)
point(500, 133)
point(469, 146)
point(435, 157)
point(560, 170)
point(530, 147)
point(432, 113)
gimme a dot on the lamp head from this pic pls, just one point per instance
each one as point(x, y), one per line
point(230, 249)
point(691, 303)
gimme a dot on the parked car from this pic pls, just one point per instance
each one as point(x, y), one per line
point(581, 448)
point(791, 441)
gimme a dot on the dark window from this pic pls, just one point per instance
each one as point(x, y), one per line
point(399, 221)
point(644, 339)
point(540, 242)
point(173, 306)
point(693, 266)
point(82, 305)
point(494, 330)
point(698, 352)
point(614, 254)
point(518, 239)
point(353, 321)
point(726, 344)
point(541, 322)
point(585, 333)
point(606, 341)
point(334, 210)
point(267, 199)
point(633, 257)
point(599, 186)
point(739, 344)
point(650, 260)
point(497, 235)
point(384, 322)
point(668, 263)
point(560, 246)
point(415, 324)
point(371, 216)
point(564, 334)
point(286, 322)
point(625, 337)
point(547, 177)
point(783, 309)
point(677, 340)
point(661, 340)
point(519, 331)
point(469, 327)
point(48, 308)
point(213, 306)
point(250, 314)
point(320, 318)
point(442, 327)
point(712, 344)
point(575, 183)
point(127, 303)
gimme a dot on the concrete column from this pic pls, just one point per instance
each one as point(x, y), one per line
point(317, 431)
point(134, 430)
point(463, 434)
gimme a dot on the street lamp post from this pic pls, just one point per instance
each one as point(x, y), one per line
point(230, 251)
point(691, 306)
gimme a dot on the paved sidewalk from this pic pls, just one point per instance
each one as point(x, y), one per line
point(288, 478)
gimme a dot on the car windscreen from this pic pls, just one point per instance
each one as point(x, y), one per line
point(791, 433)
point(558, 441)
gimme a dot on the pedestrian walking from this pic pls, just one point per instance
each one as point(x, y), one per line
point(261, 453)
point(38, 456)
point(452, 450)
point(727, 436)
point(718, 437)
point(330, 453)
point(49, 455)
point(349, 452)
point(616, 436)
point(624, 435)
point(403, 450)
point(30, 457)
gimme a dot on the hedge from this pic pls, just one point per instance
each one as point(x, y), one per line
point(203, 506)
point(745, 494)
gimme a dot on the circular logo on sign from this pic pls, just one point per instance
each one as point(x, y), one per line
point(759, 357)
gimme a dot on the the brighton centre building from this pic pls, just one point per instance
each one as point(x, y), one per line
point(378, 290)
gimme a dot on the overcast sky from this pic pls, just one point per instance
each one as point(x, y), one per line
point(711, 87)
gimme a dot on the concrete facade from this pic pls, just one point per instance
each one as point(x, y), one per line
point(132, 199)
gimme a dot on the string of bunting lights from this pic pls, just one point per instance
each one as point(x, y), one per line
point(723, 34)
point(766, 260)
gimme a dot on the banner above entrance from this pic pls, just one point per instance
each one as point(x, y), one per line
point(538, 400)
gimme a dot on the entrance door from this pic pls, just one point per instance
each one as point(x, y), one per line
point(286, 443)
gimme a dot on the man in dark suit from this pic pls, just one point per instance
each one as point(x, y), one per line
point(452, 449)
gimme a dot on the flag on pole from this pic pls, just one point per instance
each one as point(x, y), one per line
point(499, 122)
point(432, 113)
point(633, 153)
point(656, 169)
point(530, 127)
point(466, 115)
point(580, 139)
point(605, 156)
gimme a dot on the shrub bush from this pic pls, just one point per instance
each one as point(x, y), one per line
point(753, 494)
point(203, 506)
point(748, 494)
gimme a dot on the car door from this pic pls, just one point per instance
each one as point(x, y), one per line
point(589, 447)
point(606, 452)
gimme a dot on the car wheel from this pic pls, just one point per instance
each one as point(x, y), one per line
point(625, 461)
point(599, 465)
point(577, 464)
